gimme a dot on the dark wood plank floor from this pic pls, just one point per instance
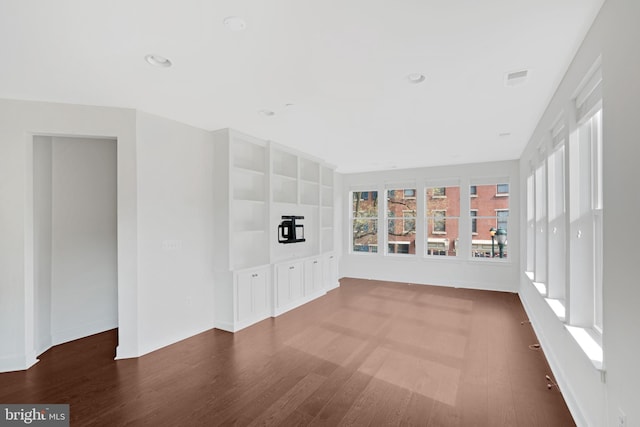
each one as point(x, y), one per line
point(369, 353)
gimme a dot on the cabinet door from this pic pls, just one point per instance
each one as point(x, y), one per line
point(296, 282)
point(260, 291)
point(283, 291)
point(244, 304)
point(312, 276)
point(330, 276)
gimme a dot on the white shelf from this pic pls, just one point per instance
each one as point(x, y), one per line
point(250, 217)
point(327, 196)
point(285, 189)
point(309, 193)
point(247, 155)
point(327, 176)
point(248, 186)
point(309, 170)
point(284, 164)
point(327, 217)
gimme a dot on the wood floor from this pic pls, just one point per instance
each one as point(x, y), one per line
point(369, 353)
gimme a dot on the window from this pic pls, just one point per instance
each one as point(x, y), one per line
point(401, 221)
point(586, 209)
point(439, 222)
point(567, 185)
point(502, 190)
point(502, 219)
point(439, 192)
point(473, 191)
point(474, 223)
point(531, 223)
point(556, 235)
point(442, 217)
point(489, 214)
point(364, 218)
point(408, 221)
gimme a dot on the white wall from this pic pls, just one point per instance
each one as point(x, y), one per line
point(175, 231)
point(458, 271)
point(84, 279)
point(594, 402)
point(42, 183)
point(19, 122)
point(75, 238)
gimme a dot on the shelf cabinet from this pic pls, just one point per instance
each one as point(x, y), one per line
point(257, 183)
point(241, 216)
point(330, 272)
point(313, 281)
point(252, 295)
point(289, 285)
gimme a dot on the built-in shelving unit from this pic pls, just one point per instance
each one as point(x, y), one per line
point(309, 182)
point(257, 183)
point(326, 210)
point(284, 176)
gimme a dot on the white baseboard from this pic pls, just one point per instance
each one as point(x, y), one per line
point(17, 362)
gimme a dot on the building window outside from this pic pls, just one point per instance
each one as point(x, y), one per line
point(439, 192)
point(408, 221)
point(364, 220)
point(502, 219)
point(442, 219)
point(474, 221)
point(473, 191)
point(502, 189)
point(439, 222)
point(401, 221)
point(489, 212)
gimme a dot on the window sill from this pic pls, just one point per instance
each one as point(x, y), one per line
point(541, 287)
point(558, 308)
point(589, 345)
point(588, 340)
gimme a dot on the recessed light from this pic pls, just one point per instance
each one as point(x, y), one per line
point(158, 61)
point(235, 23)
point(415, 78)
point(266, 113)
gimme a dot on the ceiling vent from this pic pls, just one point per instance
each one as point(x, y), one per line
point(516, 78)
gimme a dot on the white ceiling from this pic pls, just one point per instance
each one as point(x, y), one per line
point(341, 63)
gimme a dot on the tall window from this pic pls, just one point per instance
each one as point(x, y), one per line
point(540, 271)
point(556, 269)
point(531, 223)
point(442, 217)
point(586, 223)
point(364, 220)
point(401, 221)
point(490, 214)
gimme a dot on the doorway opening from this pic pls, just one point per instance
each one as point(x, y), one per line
point(75, 238)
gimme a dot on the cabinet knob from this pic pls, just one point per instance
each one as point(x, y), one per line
point(254, 275)
point(315, 262)
point(292, 267)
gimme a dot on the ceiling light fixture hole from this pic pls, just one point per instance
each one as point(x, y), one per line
point(158, 61)
point(235, 23)
point(415, 78)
